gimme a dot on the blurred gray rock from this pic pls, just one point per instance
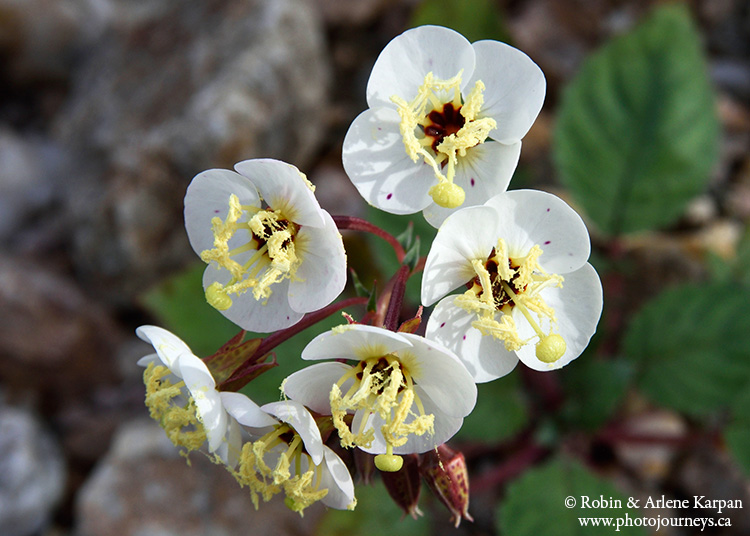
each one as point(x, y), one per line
point(39, 39)
point(24, 190)
point(53, 338)
point(143, 487)
point(171, 89)
point(33, 473)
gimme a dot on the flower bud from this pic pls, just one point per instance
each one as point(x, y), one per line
point(444, 469)
point(404, 485)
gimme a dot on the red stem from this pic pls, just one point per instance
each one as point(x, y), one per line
point(273, 340)
point(358, 224)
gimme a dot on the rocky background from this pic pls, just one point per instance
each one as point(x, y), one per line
point(109, 107)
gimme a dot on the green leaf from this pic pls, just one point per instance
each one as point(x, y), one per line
point(535, 504)
point(738, 432)
point(637, 132)
point(594, 389)
point(691, 346)
point(475, 19)
point(501, 411)
point(376, 514)
point(179, 305)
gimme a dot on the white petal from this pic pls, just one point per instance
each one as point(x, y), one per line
point(337, 480)
point(283, 188)
point(254, 315)
point(483, 356)
point(208, 404)
point(230, 450)
point(440, 374)
point(146, 360)
point(405, 61)
point(375, 159)
point(245, 411)
point(207, 197)
point(311, 386)
point(514, 88)
point(578, 306)
point(295, 414)
point(467, 234)
point(321, 276)
point(533, 217)
point(167, 345)
point(485, 171)
point(354, 341)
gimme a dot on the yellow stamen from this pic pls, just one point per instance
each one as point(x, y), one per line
point(517, 284)
point(272, 243)
point(431, 96)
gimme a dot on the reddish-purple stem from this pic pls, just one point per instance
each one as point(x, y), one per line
point(273, 340)
point(358, 224)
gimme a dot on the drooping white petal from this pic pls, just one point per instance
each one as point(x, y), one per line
point(146, 360)
point(376, 161)
point(441, 375)
point(283, 188)
point(210, 411)
point(354, 341)
point(295, 414)
point(405, 61)
point(485, 171)
point(207, 197)
point(311, 386)
point(533, 217)
point(167, 345)
point(321, 275)
point(467, 234)
point(515, 88)
point(577, 306)
point(245, 411)
point(444, 427)
point(256, 315)
point(230, 449)
point(337, 480)
point(485, 357)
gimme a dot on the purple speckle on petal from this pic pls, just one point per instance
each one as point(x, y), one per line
point(464, 337)
point(216, 211)
point(547, 210)
point(287, 318)
point(472, 181)
point(389, 196)
point(548, 242)
point(442, 325)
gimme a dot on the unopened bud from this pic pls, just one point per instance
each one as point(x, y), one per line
point(404, 485)
point(444, 469)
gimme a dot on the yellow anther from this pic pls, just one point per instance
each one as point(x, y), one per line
point(389, 463)
point(447, 194)
point(217, 297)
point(550, 348)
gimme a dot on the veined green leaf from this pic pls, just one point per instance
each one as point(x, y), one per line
point(637, 132)
point(691, 344)
point(549, 500)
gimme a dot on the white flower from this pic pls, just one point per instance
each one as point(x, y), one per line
point(444, 123)
point(181, 395)
point(531, 294)
point(286, 453)
point(407, 393)
point(267, 265)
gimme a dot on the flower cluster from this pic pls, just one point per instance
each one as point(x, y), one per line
point(442, 135)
